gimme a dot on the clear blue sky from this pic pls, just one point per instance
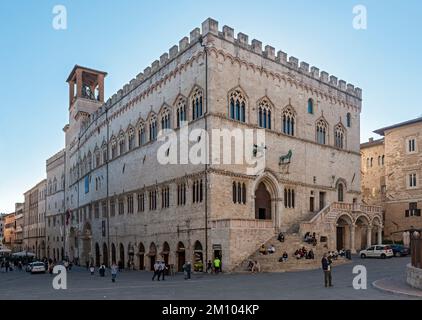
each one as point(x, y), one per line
point(123, 37)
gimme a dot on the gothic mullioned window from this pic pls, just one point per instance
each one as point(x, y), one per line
point(141, 134)
point(197, 191)
point(181, 194)
point(197, 102)
point(321, 131)
point(165, 120)
point(89, 159)
point(131, 138)
point(289, 198)
point(237, 106)
point(122, 143)
point(264, 114)
point(339, 136)
point(153, 129)
point(289, 121)
point(165, 197)
point(141, 202)
point(104, 148)
point(239, 193)
point(113, 148)
point(97, 157)
point(181, 113)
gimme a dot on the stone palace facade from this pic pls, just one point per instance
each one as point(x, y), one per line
point(110, 198)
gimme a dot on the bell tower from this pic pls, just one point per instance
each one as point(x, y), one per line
point(86, 91)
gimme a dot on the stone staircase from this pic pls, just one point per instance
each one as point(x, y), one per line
point(293, 241)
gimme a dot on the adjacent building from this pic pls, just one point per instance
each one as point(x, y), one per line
point(19, 223)
point(55, 213)
point(9, 230)
point(34, 219)
point(391, 176)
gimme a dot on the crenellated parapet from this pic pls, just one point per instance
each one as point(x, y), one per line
point(269, 52)
point(211, 27)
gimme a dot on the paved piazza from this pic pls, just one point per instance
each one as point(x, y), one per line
point(138, 285)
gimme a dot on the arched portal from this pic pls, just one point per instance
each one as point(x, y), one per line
point(181, 256)
point(344, 232)
point(97, 255)
point(165, 253)
point(105, 255)
point(121, 256)
point(141, 254)
point(199, 257)
point(262, 203)
point(152, 255)
point(131, 255)
point(363, 236)
point(113, 253)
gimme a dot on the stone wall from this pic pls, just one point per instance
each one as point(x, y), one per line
point(414, 277)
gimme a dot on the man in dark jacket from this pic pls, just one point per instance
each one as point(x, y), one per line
point(326, 267)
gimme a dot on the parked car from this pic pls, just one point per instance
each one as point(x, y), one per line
point(400, 250)
point(38, 267)
point(379, 251)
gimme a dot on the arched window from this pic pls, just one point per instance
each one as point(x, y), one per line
point(197, 104)
point(153, 129)
point(237, 105)
point(239, 193)
point(289, 198)
point(165, 120)
point(122, 143)
point(349, 120)
point(372, 162)
point(244, 193)
point(131, 138)
point(340, 192)
point(321, 131)
point(289, 121)
point(310, 106)
point(97, 157)
point(234, 192)
point(141, 134)
point(339, 136)
point(181, 113)
point(104, 148)
point(113, 148)
point(264, 114)
point(382, 160)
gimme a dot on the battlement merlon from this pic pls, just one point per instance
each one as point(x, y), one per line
point(210, 26)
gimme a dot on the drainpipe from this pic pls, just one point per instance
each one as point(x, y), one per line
point(108, 205)
point(206, 152)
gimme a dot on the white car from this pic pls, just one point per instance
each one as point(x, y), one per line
point(38, 267)
point(379, 251)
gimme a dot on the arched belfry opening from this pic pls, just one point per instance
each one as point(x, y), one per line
point(86, 83)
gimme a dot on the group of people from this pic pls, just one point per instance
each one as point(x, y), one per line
point(254, 266)
point(160, 269)
point(114, 269)
point(310, 239)
point(304, 254)
point(270, 250)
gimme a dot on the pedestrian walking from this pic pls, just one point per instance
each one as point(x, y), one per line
point(209, 266)
point(217, 265)
point(92, 270)
point(156, 271)
point(163, 269)
point(114, 270)
point(326, 267)
point(187, 270)
point(102, 270)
